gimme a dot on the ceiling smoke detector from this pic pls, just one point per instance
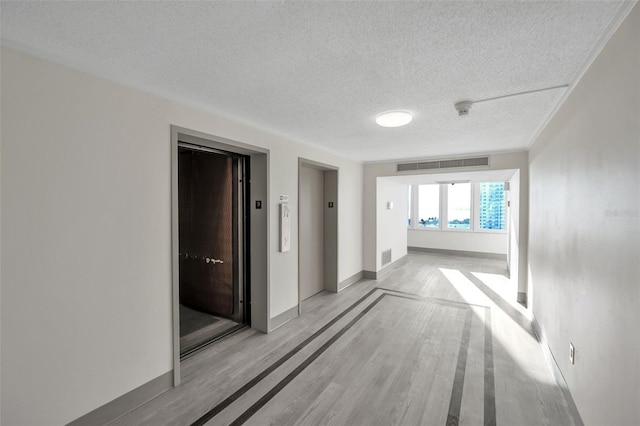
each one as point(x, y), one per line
point(463, 108)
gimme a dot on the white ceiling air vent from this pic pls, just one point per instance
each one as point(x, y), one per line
point(407, 167)
point(428, 165)
point(447, 164)
point(479, 161)
point(443, 164)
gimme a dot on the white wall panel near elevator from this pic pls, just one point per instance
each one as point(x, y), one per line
point(311, 231)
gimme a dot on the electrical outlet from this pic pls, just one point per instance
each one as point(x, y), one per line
point(572, 353)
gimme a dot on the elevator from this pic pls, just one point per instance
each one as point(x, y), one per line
point(212, 226)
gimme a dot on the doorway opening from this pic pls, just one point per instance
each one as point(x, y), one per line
point(212, 225)
point(317, 229)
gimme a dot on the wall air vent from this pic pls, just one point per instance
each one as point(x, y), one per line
point(386, 257)
point(443, 164)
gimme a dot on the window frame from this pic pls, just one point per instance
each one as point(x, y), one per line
point(410, 204)
point(474, 226)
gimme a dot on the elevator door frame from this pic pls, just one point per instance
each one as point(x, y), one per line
point(331, 178)
point(256, 242)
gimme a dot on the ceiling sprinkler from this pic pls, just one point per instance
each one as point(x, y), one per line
point(463, 107)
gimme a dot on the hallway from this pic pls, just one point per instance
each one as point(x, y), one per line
point(432, 342)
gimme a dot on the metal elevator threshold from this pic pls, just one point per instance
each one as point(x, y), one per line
point(190, 351)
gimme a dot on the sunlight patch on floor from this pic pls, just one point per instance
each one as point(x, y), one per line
point(515, 341)
point(464, 287)
point(500, 284)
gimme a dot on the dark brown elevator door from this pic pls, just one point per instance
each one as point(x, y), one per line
point(205, 208)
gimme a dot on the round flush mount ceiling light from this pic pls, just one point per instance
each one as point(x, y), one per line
point(394, 118)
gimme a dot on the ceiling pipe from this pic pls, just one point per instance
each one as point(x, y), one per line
point(463, 107)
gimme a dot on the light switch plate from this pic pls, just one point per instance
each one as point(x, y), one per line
point(572, 353)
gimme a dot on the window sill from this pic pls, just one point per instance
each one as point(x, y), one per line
point(468, 231)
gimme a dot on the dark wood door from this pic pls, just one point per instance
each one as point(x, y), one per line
point(205, 205)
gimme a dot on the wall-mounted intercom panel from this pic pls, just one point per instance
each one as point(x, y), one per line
point(285, 227)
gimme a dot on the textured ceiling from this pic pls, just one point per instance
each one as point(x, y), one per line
point(319, 72)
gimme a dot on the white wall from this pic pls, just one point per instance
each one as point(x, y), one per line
point(508, 161)
point(369, 215)
point(0, 255)
point(481, 242)
point(86, 278)
point(513, 257)
point(391, 228)
point(585, 233)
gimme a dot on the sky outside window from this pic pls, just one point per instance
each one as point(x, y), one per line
point(429, 206)
point(459, 206)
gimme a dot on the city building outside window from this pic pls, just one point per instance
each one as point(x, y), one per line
point(463, 206)
point(492, 206)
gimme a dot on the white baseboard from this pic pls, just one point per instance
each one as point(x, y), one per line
point(371, 275)
point(283, 318)
point(351, 280)
point(127, 402)
point(557, 374)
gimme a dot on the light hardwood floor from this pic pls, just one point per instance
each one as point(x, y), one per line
point(431, 343)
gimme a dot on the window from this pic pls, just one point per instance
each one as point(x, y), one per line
point(409, 205)
point(429, 206)
point(459, 206)
point(462, 206)
point(492, 206)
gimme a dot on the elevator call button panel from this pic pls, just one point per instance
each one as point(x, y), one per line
point(285, 227)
